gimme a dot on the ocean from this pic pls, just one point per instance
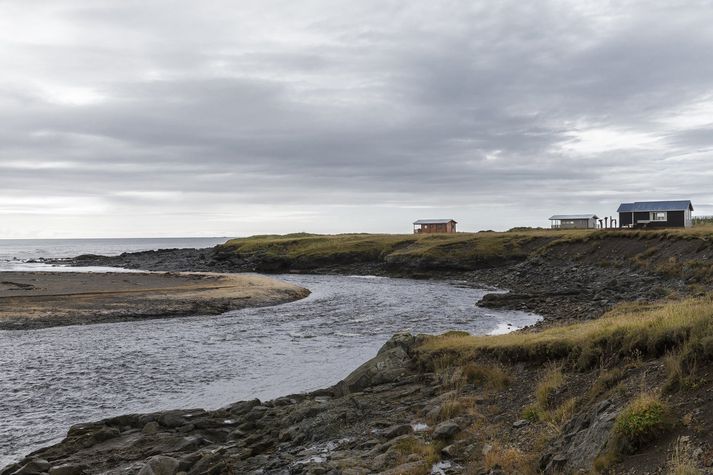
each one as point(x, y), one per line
point(15, 253)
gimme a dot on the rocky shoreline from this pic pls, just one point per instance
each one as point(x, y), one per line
point(353, 427)
point(561, 288)
point(399, 413)
point(396, 414)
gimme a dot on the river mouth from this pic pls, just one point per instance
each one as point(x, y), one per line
point(55, 377)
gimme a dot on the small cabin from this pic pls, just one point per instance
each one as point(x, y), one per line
point(427, 226)
point(656, 214)
point(574, 221)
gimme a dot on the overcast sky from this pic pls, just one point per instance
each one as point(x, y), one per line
point(184, 118)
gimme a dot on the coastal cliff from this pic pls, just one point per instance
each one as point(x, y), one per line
point(615, 380)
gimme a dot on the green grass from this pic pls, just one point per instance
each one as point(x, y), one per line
point(642, 421)
point(453, 250)
point(460, 250)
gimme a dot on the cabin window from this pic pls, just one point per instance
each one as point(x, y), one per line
point(659, 216)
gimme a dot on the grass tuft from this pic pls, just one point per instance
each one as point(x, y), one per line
point(483, 375)
point(642, 421)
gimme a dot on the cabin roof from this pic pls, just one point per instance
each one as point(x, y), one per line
point(559, 217)
point(643, 206)
point(434, 221)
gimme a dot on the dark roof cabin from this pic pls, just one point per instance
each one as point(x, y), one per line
point(656, 214)
point(423, 226)
point(574, 221)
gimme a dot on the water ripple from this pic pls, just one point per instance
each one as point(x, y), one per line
point(56, 377)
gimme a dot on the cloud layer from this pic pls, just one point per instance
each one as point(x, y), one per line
point(131, 118)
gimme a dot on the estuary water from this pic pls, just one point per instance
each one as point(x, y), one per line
point(55, 377)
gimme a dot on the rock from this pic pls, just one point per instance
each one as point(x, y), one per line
point(256, 413)
point(33, 467)
point(160, 465)
point(583, 439)
point(172, 419)
point(380, 462)
point(150, 428)
point(449, 451)
point(290, 434)
point(521, 423)
point(69, 469)
point(106, 433)
point(187, 443)
point(397, 430)
point(242, 407)
point(445, 430)
point(391, 362)
point(205, 463)
point(486, 449)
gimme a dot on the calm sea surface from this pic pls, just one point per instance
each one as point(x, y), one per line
point(55, 377)
point(14, 252)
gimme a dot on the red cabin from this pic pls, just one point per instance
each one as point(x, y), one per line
point(424, 226)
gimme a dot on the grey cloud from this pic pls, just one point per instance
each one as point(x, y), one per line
point(458, 105)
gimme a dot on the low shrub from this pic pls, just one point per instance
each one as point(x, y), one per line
point(642, 421)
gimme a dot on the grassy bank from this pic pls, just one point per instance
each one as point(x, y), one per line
point(643, 329)
point(667, 251)
point(379, 247)
point(648, 362)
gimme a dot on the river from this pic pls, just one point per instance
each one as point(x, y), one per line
point(55, 377)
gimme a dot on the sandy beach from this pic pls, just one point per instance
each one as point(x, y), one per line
point(31, 300)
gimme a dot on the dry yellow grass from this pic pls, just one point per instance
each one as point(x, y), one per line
point(510, 460)
point(651, 329)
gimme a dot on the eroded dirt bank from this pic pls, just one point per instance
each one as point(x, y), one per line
point(41, 299)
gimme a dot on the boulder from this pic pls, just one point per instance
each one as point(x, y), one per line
point(391, 362)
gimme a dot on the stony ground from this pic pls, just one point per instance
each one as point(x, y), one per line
point(391, 416)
